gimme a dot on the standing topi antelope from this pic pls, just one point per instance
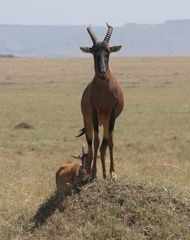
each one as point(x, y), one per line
point(102, 102)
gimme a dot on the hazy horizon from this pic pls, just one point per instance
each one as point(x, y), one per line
point(102, 25)
point(168, 39)
point(85, 12)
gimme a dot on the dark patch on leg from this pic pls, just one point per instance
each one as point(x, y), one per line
point(95, 121)
point(96, 146)
point(112, 121)
point(104, 143)
point(89, 141)
point(110, 144)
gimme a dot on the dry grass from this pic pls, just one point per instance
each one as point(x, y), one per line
point(152, 135)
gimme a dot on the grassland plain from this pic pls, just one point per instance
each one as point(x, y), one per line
point(152, 137)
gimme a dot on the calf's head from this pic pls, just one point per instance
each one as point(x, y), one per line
point(101, 52)
point(84, 158)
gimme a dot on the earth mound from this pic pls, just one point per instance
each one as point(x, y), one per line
point(23, 125)
point(120, 210)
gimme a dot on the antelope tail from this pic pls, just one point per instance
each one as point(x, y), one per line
point(82, 131)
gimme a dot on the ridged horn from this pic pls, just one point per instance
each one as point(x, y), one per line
point(108, 34)
point(92, 35)
point(84, 150)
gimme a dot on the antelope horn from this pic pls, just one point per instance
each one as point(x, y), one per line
point(84, 150)
point(92, 35)
point(108, 34)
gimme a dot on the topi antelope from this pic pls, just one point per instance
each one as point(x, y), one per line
point(72, 173)
point(102, 102)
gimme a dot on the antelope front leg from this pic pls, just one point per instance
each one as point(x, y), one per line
point(89, 134)
point(104, 144)
point(96, 143)
point(96, 146)
point(90, 155)
point(110, 143)
point(103, 155)
point(112, 169)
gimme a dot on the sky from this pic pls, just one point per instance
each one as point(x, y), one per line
point(97, 12)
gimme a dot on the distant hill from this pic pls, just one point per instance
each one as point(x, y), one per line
point(170, 38)
point(6, 56)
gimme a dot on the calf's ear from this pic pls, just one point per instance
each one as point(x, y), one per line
point(115, 48)
point(79, 157)
point(86, 49)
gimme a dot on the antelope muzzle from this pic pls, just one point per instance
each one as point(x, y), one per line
point(102, 70)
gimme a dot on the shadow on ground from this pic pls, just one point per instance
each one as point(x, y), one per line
point(53, 203)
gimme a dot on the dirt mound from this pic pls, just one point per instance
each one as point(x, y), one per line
point(120, 210)
point(23, 125)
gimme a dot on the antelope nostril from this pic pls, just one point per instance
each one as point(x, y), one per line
point(102, 67)
point(102, 73)
point(102, 70)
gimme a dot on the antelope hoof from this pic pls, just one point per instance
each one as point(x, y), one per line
point(113, 176)
point(93, 177)
point(93, 174)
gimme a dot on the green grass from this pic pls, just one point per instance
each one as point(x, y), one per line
point(151, 137)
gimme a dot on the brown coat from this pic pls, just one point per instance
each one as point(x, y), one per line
point(69, 175)
point(102, 102)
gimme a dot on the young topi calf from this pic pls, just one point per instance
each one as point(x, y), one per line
point(72, 173)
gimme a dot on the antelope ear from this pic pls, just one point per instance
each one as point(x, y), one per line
point(86, 49)
point(79, 157)
point(115, 48)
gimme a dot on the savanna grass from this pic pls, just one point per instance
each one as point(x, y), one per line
point(151, 137)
